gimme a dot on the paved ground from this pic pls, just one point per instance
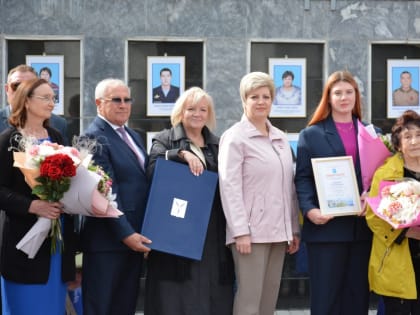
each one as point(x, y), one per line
point(292, 312)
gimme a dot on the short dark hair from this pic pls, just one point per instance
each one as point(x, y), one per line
point(405, 72)
point(407, 119)
point(288, 73)
point(45, 69)
point(165, 69)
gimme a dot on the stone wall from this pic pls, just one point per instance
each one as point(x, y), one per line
point(226, 27)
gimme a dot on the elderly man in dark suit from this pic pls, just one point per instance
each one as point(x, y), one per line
point(14, 78)
point(113, 248)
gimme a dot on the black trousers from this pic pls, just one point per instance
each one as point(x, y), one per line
point(110, 282)
point(397, 306)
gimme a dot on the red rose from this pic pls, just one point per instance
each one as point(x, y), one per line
point(57, 166)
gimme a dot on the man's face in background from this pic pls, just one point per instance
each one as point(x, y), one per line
point(14, 80)
point(165, 78)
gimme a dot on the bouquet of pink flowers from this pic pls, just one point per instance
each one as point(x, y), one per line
point(64, 174)
point(398, 203)
point(373, 151)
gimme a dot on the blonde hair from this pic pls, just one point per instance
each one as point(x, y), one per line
point(255, 80)
point(192, 96)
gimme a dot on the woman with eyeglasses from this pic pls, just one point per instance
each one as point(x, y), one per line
point(31, 286)
point(177, 285)
point(15, 77)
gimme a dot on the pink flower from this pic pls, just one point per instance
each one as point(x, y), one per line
point(34, 150)
point(386, 191)
point(75, 152)
point(394, 207)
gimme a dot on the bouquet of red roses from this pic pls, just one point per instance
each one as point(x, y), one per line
point(54, 180)
point(61, 173)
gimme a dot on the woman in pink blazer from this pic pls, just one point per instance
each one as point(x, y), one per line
point(258, 197)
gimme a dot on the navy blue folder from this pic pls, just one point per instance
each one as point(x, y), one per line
point(178, 209)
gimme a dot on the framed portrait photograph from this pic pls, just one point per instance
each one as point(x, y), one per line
point(149, 138)
point(165, 82)
point(403, 77)
point(336, 186)
point(289, 75)
point(293, 141)
point(51, 68)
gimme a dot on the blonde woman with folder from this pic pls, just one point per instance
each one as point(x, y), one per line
point(176, 285)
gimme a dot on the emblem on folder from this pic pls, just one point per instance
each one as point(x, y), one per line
point(179, 208)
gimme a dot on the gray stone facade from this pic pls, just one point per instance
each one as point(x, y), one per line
point(227, 27)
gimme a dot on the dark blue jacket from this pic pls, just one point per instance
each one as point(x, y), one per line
point(129, 184)
point(316, 141)
point(159, 96)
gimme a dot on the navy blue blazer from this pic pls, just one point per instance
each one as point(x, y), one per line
point(129, 184)
point(59, 123)
point(4, 116)
point(316, 141)
point(171, 97)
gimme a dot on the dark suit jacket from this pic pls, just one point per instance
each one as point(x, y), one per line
point(56, 122)
point(323, 140)
point(4, 115)
point(15, 199)
point(129, 184)
point(159, 96)
point(60, 124)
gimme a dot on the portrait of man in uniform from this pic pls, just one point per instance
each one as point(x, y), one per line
point(165, 92)
point(405, 95)
point(403, 85)
point(165, 83)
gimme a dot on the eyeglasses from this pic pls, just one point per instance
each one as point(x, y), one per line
point(45, 99)
point(14, 85)
point(119, 100)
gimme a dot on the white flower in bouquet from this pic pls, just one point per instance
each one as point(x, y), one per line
point(400, 203)
point(36, 153)
point(61, 173)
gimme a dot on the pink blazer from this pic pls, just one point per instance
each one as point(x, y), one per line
point(256, 184)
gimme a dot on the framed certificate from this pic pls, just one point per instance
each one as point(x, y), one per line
point(336, 185)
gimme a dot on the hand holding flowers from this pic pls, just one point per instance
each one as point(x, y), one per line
point(56, 171)
point(61, 175)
